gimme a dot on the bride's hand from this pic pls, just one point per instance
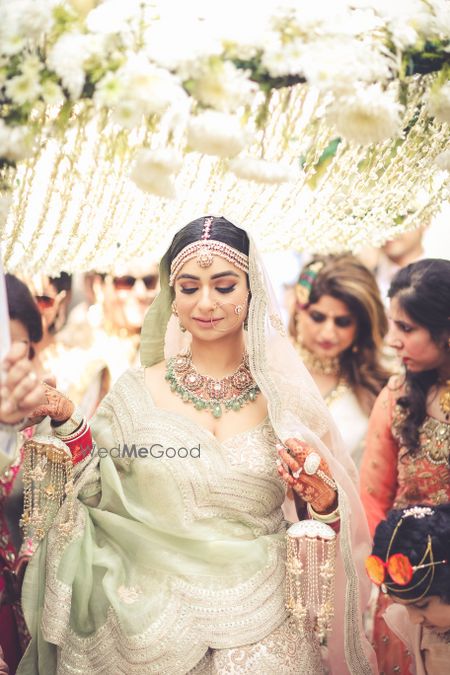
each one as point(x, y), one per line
point(54, 404)
point(309, 475)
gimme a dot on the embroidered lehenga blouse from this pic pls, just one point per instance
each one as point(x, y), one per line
point(174, 557)
point(391, 477)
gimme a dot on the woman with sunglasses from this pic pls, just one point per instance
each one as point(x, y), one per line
point(407, 455)
point(172, 560)
point(338, 325)
point(410, 562)
point(121, 300)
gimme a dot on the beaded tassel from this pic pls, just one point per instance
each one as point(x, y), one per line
point(48, 482)
point(310, 574)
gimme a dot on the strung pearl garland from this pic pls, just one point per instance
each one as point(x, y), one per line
point(230, 393)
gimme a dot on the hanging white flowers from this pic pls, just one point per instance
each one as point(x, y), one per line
point(214, 133)
point(306, 92)
point(154, 170)
point(439, 103)
point(368, 115)
point(261, 171)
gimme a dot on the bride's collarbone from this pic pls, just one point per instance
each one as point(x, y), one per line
point(229, 424)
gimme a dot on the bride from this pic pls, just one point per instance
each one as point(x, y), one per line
point(175, 559)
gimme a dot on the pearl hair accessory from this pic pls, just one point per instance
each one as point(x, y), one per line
point(204, 250)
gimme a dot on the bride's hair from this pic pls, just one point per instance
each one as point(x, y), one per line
point(220, 230)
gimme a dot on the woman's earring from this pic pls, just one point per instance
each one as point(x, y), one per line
point(355, 349)
point(175, 313)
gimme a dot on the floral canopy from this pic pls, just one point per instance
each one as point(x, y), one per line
point(322, 125)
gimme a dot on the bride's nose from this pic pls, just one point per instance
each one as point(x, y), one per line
point(206, 302)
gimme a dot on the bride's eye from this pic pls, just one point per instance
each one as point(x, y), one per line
point(226, 289)
point(189, 291)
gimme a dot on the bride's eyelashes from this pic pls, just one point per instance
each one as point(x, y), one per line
point(227, 289)
point(221, 289)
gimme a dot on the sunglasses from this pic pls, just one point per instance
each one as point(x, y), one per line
point(44, 301)
point(127, 282)
point(397, 566)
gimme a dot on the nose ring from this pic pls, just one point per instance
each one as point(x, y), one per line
point(238, 309)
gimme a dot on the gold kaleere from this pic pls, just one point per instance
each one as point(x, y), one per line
point(48, 483)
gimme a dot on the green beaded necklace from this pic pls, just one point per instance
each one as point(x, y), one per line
point(230, 393)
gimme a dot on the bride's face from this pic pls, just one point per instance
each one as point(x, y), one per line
point(211, 301)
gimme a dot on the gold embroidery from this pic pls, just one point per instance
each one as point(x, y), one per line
point(434, 436)
point(282, 651)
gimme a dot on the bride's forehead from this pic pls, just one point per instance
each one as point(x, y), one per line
point(219, 265)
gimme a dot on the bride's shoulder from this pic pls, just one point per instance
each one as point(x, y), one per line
point(156, 372)
point(156, 368)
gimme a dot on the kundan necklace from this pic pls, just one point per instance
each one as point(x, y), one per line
point(320, 366)
point(229, 393)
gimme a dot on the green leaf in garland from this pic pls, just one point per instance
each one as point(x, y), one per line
point(323, 162)
point(64, 115)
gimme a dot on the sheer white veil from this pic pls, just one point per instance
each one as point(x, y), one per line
point(296, 409)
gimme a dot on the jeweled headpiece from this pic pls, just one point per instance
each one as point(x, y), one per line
point(306, 281)
point(204, 250)
point(398, 566)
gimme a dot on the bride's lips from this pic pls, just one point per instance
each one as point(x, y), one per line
point(205, 323)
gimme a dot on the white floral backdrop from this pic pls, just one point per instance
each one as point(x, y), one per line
point(322, 125)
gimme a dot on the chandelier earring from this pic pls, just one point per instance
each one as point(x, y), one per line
point(175, 313)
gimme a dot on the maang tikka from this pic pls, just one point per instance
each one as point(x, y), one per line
point(204, 251)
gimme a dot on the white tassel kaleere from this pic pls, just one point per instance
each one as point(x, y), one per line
point(310, 574)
